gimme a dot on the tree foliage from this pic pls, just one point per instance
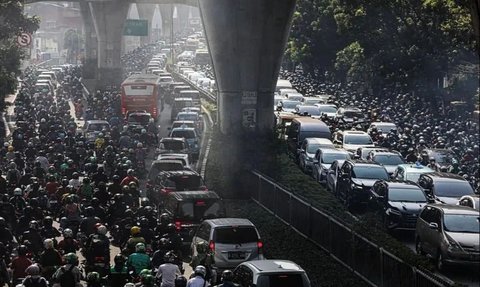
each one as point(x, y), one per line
point(12, 23)
point(411, 42)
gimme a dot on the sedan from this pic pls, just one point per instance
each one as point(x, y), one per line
point(324, 157)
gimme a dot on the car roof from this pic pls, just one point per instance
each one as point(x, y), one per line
point(309, 122)
point(174, 173)
point(165, 156)
point(455, 209)
point(97, 122)
point(413, 167)
point(333, 150)
point(403, 184)
point(383, 152)
point(318, 140)
point(444, 176)
point(195, 194)
point(363, 162)
point(183, 128)
point(229, 222)
point(350, 132)
point(172, 140)
point(382, 124)
point(166, 161)
point(274, 266)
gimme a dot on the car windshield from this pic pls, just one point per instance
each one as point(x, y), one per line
point(353, 114)
point(235, 235)
point(280, 280)
point(370, 172)
point(327, 109)
point(164, 166)
point(98, 127)
point(452, 188)
point(413, 176)
point(199, 210)
point(462, 223)
point(184, 182)
point(358, 139)
point(329, 158)
point(406, 195)
point(172, 145)
point(388, 159)
point(143, 119)
point(187, 117)
point(443, 158)
point(310, 110)
point(290, 104)
point(188, 134)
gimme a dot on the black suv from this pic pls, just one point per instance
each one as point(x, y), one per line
point(355, 179)
point(445, 187)
point(189, 208)
point(399, 203)
point(179, 180)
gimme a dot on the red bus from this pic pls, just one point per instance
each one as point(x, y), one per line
point(141, 93)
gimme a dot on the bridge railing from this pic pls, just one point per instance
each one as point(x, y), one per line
point(372, 263)
point(208, 95)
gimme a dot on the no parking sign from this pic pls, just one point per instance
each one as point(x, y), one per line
point(24, 39)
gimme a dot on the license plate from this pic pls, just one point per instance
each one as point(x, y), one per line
point(236, 255)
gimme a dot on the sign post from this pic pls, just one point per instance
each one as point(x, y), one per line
point(24, 39)
point(134, 27)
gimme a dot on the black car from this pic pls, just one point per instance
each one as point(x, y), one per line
point(179, 180)
point(189, 208)
point(399, 203)
point(355, 179)
point(445, 187)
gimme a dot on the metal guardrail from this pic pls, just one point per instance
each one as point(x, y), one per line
point(209, 96)
point(366, 259)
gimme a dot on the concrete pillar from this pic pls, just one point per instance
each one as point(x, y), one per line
point(91, 44)
point(246, 39)
point(182, 18)
point(145, 12)
point(109, 18)
point(166, 14)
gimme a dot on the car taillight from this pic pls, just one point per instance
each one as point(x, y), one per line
point(178, 225)
point(166, 190)
point(211, 245)
point(204, 188)
point(260, 247)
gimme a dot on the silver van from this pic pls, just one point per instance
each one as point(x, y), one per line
point(233, 241)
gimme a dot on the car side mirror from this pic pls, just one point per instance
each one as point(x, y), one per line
point(430, 200)
point(433, 225)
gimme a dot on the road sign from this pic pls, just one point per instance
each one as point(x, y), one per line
point(24, 39)
point(249, 98)
point(135, 27)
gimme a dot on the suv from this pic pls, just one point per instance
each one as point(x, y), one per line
point(231, 240)
point(352, 140)
point(445, 187)
point(172, 145)
point(308, 149)
point(390, 160)
point(450, 234)
point(190, 135)
point(355, 179)
point(399, 202)
point(270, 273)
point(179, 180)
point(410, 171)
point(93, 128)
point(138, 118)
point(189, 208)
point(349, 114)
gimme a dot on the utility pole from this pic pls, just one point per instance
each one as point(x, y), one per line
point(171, 35)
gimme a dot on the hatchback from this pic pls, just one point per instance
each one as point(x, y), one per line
point(271, 273)
point(232, 240)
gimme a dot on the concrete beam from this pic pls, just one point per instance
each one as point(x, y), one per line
point(109, 18)
point(145, 11)
point(246, 39)
point(91, 44)
point(193, 3)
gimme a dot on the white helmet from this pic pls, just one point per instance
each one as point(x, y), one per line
point(18, 191)
point(68, 233)
point(48, 243)
point(102, 230)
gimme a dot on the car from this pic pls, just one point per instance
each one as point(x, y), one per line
point(288, 105)
point(332, 175)
point(364, 152)
point(139, 118)
point(472, 201)
point(92, 128)
point(178, 105)
point(172, 145)
point(399, 203)
point(188, 209)
point(385, 127)
point(355, 179)
point(270, 273)
point(445, 187)
point(410, 172)
point(302, 128)
point(231, 240)
point(308, 148)
point(305, 110)
point(164, 165)
point(450, 234)
point(349, 114)
point(176, 156)
point(284, 92)
point(352, 140)
point(312, 100)
point(178, 180)
point(329, 110)
point(390, 160)
point(190, 135)
point(323, 159)
point(191, 116)
point(294, 96)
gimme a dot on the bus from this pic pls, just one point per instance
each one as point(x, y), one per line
point(141, 93)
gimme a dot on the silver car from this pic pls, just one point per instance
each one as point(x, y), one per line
point(308, 149)
point(450, 234)
point(332, 175)
point(233, 241)
point(323, 160)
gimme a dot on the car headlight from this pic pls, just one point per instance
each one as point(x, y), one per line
point(453, 246)
point(391, 211)
point(357, 187)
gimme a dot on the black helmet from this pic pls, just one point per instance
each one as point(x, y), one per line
point(47, 221)
point(3, 223)
point(171, 227)
point(165, 218)
point(119, 259)
point(227, 275)
point(22, 250)
point(89, 211)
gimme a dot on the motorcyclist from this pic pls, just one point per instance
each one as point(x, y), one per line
point(48, 230)
point(50, 259)
point(68, 244)
point(68, 274)
point(204, 258)
point(135, 238)
point(87, 225)
point(119, 274)
point(33, 278)
point(199, 278)
point(168, 271)
point(174, 239)
point(139, 260)
point(33, 236)
point(227, 277)
point(98, 245)
point(19, 264)
point(129, 178)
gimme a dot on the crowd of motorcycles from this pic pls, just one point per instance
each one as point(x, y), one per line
point(422, 122)
point(66, 201)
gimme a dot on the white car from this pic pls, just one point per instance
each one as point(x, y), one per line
point(329, 110)
point(270, 273)
point(352, 140)
point(385, 127)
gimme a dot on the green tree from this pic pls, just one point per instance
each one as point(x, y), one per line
point(72, 42)
point(12, 23)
